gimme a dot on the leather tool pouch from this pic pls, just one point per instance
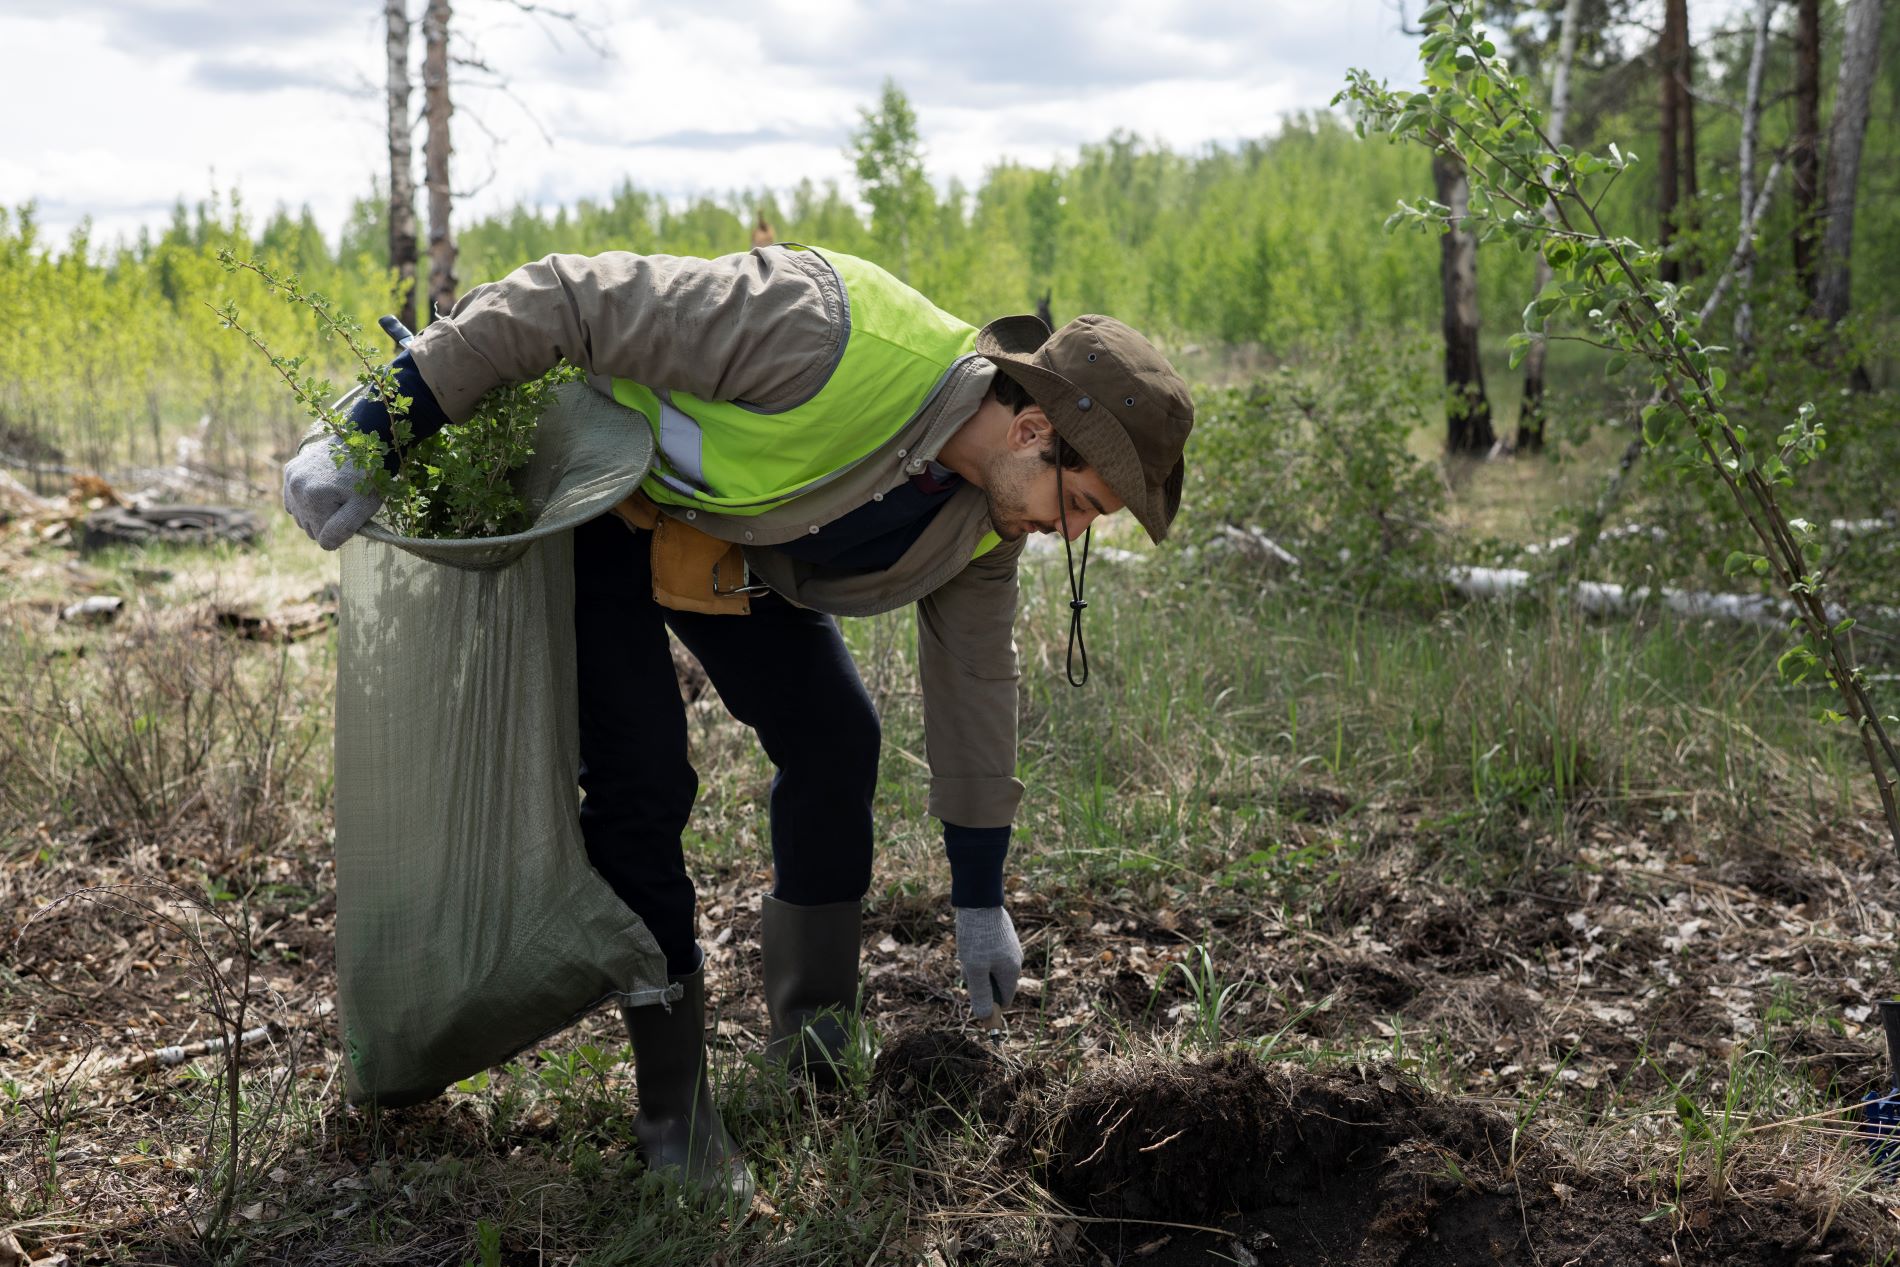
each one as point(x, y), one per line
point(692, 572)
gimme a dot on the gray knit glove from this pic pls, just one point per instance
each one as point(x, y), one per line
point(991, 956)
point(321, 496)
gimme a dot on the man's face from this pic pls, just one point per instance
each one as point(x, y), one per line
point(1020, 482)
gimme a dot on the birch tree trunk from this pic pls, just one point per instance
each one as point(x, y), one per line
point(1467, 410)
point(1685, 120)
point(1853, 102)
point(1530, 417)
point(1805, 145)
point(402, 175)
point(1669, 54)
point(1751, 136)
point(435, 89)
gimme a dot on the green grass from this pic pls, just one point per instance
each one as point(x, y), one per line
point(1248, 746)
point(1212, 690)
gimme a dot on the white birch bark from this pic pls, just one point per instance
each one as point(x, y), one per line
point(435, 89)
point(402, 175)
point(1751, 135)
point(1853, 103)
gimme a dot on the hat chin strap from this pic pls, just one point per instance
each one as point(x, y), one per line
point(1077, 604)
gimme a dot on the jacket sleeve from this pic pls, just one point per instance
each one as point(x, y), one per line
point(966, 656)
point(764, 327)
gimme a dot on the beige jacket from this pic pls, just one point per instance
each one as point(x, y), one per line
point(767, 328)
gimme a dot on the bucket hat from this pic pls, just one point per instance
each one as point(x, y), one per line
point(1109, 394)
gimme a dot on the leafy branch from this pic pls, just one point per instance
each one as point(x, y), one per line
point(453, 484)
point(368, 452)
point(1528, 191)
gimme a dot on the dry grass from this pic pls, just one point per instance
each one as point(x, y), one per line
point(1577, 875)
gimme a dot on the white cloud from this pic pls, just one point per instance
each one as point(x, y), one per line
point(135, 104)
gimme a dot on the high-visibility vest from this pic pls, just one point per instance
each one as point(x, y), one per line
point(733, 458)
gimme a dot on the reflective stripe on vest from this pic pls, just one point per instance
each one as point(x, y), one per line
point(682, 443)
point(736, 459)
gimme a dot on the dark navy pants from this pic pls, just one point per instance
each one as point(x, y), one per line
point(782, 670)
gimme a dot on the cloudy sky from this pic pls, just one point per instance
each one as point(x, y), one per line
point(115, 108)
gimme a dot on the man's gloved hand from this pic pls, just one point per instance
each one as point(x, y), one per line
point(321, 496)
point(991, 956)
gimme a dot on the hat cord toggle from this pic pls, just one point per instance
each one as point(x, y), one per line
point(1076, 582)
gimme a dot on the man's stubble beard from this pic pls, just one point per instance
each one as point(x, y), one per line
point(1004, 483)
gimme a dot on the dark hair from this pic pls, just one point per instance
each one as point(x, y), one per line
point(1071, 460)
point(1011, 394)
point(1014, 397)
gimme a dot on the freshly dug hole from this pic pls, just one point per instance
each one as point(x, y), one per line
point(1191, 1142)
point(1365, 1168)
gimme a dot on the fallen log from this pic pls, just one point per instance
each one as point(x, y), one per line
point(1049, 548)
point(1257, 545)
point(170, 1057)
point(1605, 598)
point(172, 525)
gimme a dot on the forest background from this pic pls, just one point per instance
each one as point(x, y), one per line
point(1612, 875)
point(1272, 253)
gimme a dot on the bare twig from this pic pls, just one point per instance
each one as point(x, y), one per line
point(177, 1054)
point(168, 1057)
point(584, 31)
point(235, 1154)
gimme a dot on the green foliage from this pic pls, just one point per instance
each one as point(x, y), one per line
point(1213, 996)
point(1315, 457)
point(1275, 241)
point(1791, 374)
point(453, 484)
point(887, 153)
point(1272, 241)
point(1542, 197)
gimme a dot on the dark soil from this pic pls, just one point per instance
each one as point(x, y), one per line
point(1584, 988)
point(1366, 1168)
point(942, 1076)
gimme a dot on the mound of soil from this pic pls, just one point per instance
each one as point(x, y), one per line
point(1192, 1142)
point(942, 1076)
point(1366, 1168)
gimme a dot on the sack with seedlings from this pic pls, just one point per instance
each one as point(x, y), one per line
point(470, 923)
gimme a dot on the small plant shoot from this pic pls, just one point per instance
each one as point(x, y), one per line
point(454, 484)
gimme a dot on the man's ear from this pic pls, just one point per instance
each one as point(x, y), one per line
point(1029, 429)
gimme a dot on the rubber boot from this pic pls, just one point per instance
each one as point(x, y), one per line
point(678, 1126)
point(811, 984)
